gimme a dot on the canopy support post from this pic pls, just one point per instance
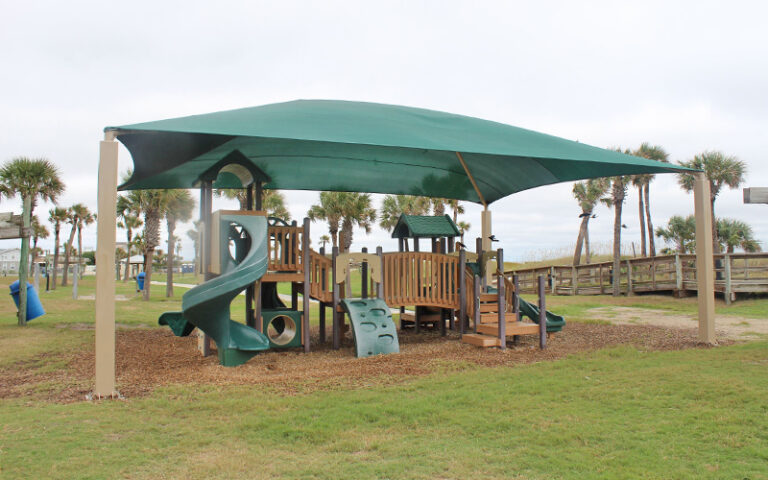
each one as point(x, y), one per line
point(105, 262)
point(472, 179)
point(705, 276)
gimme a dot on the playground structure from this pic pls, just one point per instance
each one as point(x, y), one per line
point(251, 252)
point(361, 147)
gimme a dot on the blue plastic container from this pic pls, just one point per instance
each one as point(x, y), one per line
point(140, 280)
point(34, 307)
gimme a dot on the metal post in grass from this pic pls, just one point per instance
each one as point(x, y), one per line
point(462, 292)
point(335, 314)
point(75, 277)
point(542, 313)
point(307, 278)
point(516, 305)
point(502, 308)
point(364, 276)
point(321, 311)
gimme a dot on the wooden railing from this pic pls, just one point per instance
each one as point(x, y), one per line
point(284, 249)
point(319, 277)
point(414, 278)
point(734, 273)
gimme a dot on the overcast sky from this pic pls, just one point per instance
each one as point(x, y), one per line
point(689, 76)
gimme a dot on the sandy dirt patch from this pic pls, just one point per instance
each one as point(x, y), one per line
point(726, 326)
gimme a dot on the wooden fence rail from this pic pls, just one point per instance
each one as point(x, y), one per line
point(734, 273)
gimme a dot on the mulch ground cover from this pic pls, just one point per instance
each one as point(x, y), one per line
point(152, 358)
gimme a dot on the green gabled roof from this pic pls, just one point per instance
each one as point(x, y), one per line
point(422, 226)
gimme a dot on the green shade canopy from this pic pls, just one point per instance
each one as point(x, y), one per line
point(425, 226)
point(363, 147)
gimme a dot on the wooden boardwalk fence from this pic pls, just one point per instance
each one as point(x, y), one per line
point(734, 273)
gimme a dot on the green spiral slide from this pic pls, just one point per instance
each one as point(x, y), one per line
point(206, 306)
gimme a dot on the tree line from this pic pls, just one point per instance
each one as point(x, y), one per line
point(721, 171)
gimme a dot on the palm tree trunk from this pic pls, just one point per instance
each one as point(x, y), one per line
point(587, 251)
point(651, 240)
point(171, 223)
point(580, 240)
point(617, 248)
point(641, 208)
point(57, 230)
point(80, 250)
point(715, 243)
point(129, 235)
point(148, 255)
point(67, 252)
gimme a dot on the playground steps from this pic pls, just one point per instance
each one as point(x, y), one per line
point(489, 297)
point(425, 318)
point(494, 317)
point(513, 328)
point(480, 340)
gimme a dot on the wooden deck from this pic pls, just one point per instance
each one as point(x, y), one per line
point(734, 273)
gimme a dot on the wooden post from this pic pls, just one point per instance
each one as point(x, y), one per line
point(335, 314)
point(480, 263)
point(574, 281)
point(728, 286)
point(257, 307)
point(380, 285)
point(75, 279)
point(364, 276)
point(476, 313)
point(462, 292)
point(204, 341)
point(542, 314)
point(502, 301)
point(516, 306)
point(553, 279)
point(251, 289)
point(105, 258)
point(629, 279)
point(36, 276)
point(307, 279)
point(704, 258)
point(678, 274)
point(323, 286)
point(415, 244)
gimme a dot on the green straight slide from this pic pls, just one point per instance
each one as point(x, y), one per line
point(206, 306)
point(372, 326)
point(555, 323)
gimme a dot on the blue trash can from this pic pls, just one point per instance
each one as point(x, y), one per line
point(140, 280)
point(34, 307)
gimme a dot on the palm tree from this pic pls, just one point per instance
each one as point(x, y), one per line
point(194, 235)
point(736, 233)
point(38, 231)
point(438, 206)
point(356, 210)
point(680, 231)
point(178, 207)
point(84, 218)
point(643, 184)
point(57, 216)
point(272, 201)
point(324, 239)
point(36, 178)
point(128, 215)
point(463, 227)
point(616, 201)
point(330, 210)
point(587, 194)
point(456, 207)
point(395, 205)
point(151, 203)
point(721, 170)
point(72, 220)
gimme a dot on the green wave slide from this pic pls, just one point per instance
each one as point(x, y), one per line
point(555, 323)
point(207, 306)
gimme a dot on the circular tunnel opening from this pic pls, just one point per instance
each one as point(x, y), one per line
point(281, 330)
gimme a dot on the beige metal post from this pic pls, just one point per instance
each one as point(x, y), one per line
point(485, 232)
point(105, 262)
point(705, 269)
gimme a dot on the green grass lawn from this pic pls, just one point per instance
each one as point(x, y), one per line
point(614, 413)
